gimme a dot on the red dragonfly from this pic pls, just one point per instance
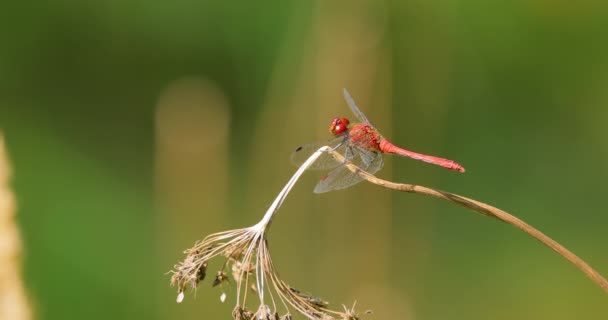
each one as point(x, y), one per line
point(360, 144)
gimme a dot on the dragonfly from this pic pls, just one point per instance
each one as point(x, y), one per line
point(360, 144)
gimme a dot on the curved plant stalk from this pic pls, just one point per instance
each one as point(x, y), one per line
point(486, 210)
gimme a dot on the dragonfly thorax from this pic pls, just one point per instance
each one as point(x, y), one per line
point(338, 126)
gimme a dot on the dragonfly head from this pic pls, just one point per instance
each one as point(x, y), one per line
point(338, 126)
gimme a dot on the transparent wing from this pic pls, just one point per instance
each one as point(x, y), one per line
point(341, 177)
point(325, 161)
point(372, 160)
point(353, 107)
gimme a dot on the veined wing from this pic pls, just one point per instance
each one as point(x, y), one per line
point(325, 161)
point(368, 159)
point(353, 107)
point(342, 178)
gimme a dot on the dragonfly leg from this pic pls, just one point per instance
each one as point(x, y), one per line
point(349, 153)
point(338, 146)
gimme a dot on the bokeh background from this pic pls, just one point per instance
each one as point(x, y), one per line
point(135, 128)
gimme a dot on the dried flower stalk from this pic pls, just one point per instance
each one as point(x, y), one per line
point(248, 259)
point(486, 210)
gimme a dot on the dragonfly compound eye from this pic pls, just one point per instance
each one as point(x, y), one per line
point(338, 126)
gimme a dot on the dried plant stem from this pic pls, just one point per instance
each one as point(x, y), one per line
point(486, 210)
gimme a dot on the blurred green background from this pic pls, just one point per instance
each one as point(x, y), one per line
point(135, 128)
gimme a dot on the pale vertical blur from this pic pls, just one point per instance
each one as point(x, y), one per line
point(14, 304)
point(343, 50)
point(192, 120)
point(350, 54)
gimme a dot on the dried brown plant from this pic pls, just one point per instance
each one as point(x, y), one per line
point(248, 258)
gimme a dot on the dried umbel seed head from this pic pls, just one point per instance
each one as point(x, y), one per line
point(247, 255)
point(256, 272)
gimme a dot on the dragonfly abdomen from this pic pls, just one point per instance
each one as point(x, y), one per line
point(388, 147)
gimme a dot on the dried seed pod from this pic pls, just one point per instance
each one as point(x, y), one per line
point(241, 314)
point(254, 288)
point(201, 272)
point(317, 302)
point(239, 269)
point(180, 297)
point(264, 313)
point(234, 253)
point(220, 278)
